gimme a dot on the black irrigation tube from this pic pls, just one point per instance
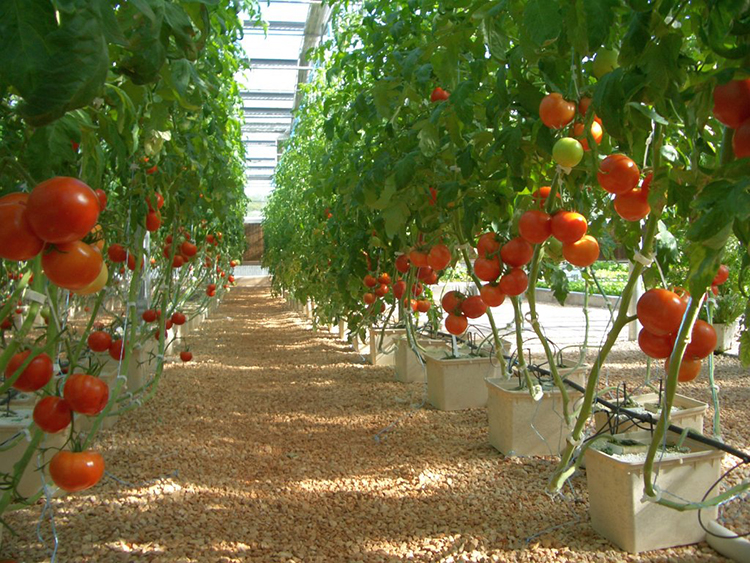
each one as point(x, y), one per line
point(646, 417)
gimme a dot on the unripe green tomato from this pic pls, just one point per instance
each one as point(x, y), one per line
point(553, 249)
point(567, 152)
point(605, 61)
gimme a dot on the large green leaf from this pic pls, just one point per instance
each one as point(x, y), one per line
point(55, 67)
point(600, 16)
point(542, 21)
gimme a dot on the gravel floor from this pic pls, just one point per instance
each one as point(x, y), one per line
point(264, 449)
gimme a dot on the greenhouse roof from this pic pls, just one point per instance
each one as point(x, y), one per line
point(269, 89)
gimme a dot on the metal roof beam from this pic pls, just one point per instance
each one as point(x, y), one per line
point(262, 95)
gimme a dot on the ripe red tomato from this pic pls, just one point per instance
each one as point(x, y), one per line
point(52, 414)
point(540, 196)
point(535, 226)
point(556, 112)
point(660, 311)
point(456, 324)
point(101, 195)
point(488, 244)
point(168, 324)
point(431, 279)
point(177, 261)
point(99, 341)
point(381, 290)
point(702, 341)
point(417, 289)
point(370, 281)
point(722, 275)
point(596, 132)
point(188, 249)
point(439, 257)
point(492, 295)
point(732, 102)
point(402, 263)
point(178, 318)
point(568, 226)
point(473, 307)
point(514, 282)
point(210, 239)
point(117, 253)
point(655, 346)
point(516, 252)
point(62, 210)
point(439, 95)
point(186, 356)
point(399, 288)
point(583, 108)
point(17, 239)
point(433, 196)
point(741, 140)
point(689, 369)
point(452, 300)
point(369, 298)
point(153, 221)
point(418, 258)
point(149, 315)
point(633, 205)
point(72, 265)
point(618, 174)
point(34, 376)
point(423, 305)
point(487, 269)
point(116, 351)
point(424, 273)
point(384, 278)
point(230, 278)
point(583, 252)
point(86, 394)
point(76, 471)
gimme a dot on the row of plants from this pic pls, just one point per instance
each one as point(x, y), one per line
point(521, 138)
point(121, 204)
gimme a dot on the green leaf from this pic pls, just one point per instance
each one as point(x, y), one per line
point(745, 348)
point(720, 203)
point(648, 112)
point(395, 218)
point(405, 169)
point(389, 190)
point(466, 162)
point(600, 17)
point(609, 99)
point(669, 153)
point(542, 20)
point(428, 139)
point(37, 59)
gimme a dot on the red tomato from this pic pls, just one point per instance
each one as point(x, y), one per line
point(660, 311)
point(452, 300)
point(416, 289)
point(210, 239)
point(492, 295)
point(116, 351)
point(596, 132)
point(52, 414)
point(456, 324)
point(370, 281)
point(423, 305)
point(540, 196)
point(230, 278)
point(535, 226)
point(655, 346)
point(101, 195)
point(514, 282)
point(618, 174)
point(722, 275)
point(62, 210)
point(159, 201)
point(178, 318)
point(583, 108)
point(153, 221)
point(516, 252)
point(76, 471)
point(402, 263)
point(72, 265)
point(568, 226)
point(99, 341)
point(17, 239)
point(433, 196)
point(424, 273)
point(381, 290)
point(399, 288)
point(556, 112)
point(439, 257)
point(86, 394)
point(741, 140)
point(369, 298)
point(418, 258)
point(473, 307)
point(34, 376)
point(384, 278)
point(488, 243)
point(702, 341)
point(178, 261)
point(168, 324)
point(117, 253)
point(186, 356)
point(583, 252)
point(732, 102)
point(149, 315)
point(439, 95)
point(188, 249)
point(689, 369)
point(487, 269)
point(633, 205)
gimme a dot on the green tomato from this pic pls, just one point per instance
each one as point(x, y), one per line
point(567, 152)
point(553, 249)
point(605, 61)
